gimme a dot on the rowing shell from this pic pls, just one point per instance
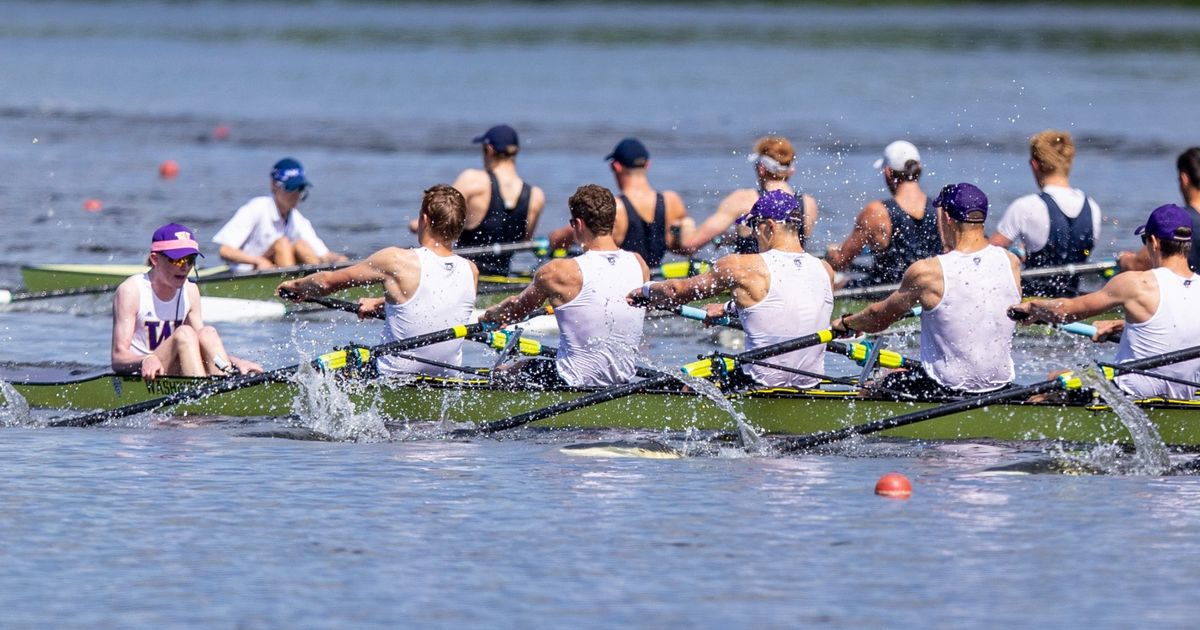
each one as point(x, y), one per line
point(776, 410)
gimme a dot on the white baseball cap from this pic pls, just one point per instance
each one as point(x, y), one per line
point(897, 154)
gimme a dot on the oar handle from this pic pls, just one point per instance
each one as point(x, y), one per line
point(699, 314)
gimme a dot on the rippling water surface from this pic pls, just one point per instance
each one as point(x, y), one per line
point(162, 523)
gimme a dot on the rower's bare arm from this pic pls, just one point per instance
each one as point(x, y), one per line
point(721, 279)
point(548, 285)
point(125, 304)
point(232, 254)
point(621, 223)
point(194, 316)
point(473, 183)
point(537, 202)
point(373, 270)
point(811, 212)
point(1000, 240)
point(1119, 291)
point(889, 310)
point(733, 206)
point(865, 233)
point(562, 238)
point(676, 215)
point(1135, 261)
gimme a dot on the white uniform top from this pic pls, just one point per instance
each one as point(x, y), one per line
point(156, 319)
point(966, 340)
point(1027, 220)
point(599, 333)
point(444, 298)
point(257, 225)
point(1173, 326)
point(799, 302)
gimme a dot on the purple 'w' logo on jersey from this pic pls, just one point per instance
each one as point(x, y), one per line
point(153, 332)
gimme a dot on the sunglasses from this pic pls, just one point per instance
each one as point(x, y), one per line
point(182, 263)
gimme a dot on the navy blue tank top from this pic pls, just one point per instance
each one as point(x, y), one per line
point(499, 225)
point(749, 244)
point(647, 239)
point(1071, 241)
point(911, 241)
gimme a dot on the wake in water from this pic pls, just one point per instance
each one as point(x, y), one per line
point(15, 412)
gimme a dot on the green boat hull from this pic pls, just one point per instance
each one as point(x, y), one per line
point(777, 411)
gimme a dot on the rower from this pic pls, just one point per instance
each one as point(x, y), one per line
point(779, 294)
point(1188, 166)
point(899, 231)
point(1058, 226)
point(424, 289)
point(501, 207)
point(599, 332)
point(158, 329)
point(270, 232)
point(648, 222)
point(774, 164)
point(1160, 306)
point(966, 339)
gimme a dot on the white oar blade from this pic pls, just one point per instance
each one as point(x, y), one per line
point(220, 309)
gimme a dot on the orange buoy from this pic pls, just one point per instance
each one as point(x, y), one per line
point(894, 486)
point(221, 132)
point(93, 205)
point(168, 169)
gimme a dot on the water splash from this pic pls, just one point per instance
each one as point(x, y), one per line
point(15, 412)
point(326, 406)
point(1150, 453)
point(750, 439)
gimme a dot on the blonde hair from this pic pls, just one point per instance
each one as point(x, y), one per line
point(1054, 151)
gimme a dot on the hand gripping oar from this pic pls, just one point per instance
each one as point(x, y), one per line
point(1063, 381)
point(332, 360)
point(627, 389)
point(1075, 328)
point(883, 290)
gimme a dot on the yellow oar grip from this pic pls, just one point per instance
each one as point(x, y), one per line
point(339, 359)
point(1069, 381)
point(825, 336)
point(460, 330)
point(499, 340)
point(704, 367)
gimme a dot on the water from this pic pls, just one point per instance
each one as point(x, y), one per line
point(169, 522)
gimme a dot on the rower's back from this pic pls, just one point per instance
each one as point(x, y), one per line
point(600, 332)
point(445, 297)
point(966, 339)
point(799, 302)
point(1173, 325)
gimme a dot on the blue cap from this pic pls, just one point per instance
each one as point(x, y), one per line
point(502, 138)
point(290, 174)
point(777, 205)
point(963, 202)
point(1168, 223)
point(630, 153)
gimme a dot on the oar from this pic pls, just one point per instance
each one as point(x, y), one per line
point(8, 297)
point(1063, 381)
point(883, 290)
point(627, 389)
point(332, 360)
point(1074, 328)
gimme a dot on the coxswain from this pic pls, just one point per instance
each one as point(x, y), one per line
point(774, 160)
point(1160, 305)
point(1057, 226)
point(599, 333)
point(898, 231)
point(778, 294)
point(649, 222)
point(1188, 165)
point(501, 207)
point(966, 337)
point(425, 289)
point(271, 232)
point(158, 329)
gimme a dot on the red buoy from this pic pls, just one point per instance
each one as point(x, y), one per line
point(168, 169)
point(93, 205)
point(894, 486)
point(221, 132)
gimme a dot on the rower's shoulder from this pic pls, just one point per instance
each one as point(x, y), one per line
point(738, 202)
point(471, 180)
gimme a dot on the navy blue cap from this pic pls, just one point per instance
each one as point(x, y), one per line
point(1168, 223)
point(963, 202)
point(290, 174)
point(630, 153)
point(502, 138)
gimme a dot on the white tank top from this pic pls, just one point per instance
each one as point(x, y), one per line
point(799, 302)
point(156, 319)
point(599, 333)
point(966, 340)
point(444, 298)
point(1175, 325)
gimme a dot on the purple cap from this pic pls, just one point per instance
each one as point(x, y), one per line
point(174, 241)
point(1168, 223)
point(502, 138)
point(963, 202)
point(290, 174)
point(630, 153)
point(776, 205)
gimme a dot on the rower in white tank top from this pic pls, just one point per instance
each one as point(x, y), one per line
point(599, 332)
point(1173, 326)
point(156, 319)
point(799, 302)
point(444, 298)
point(966, 340)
